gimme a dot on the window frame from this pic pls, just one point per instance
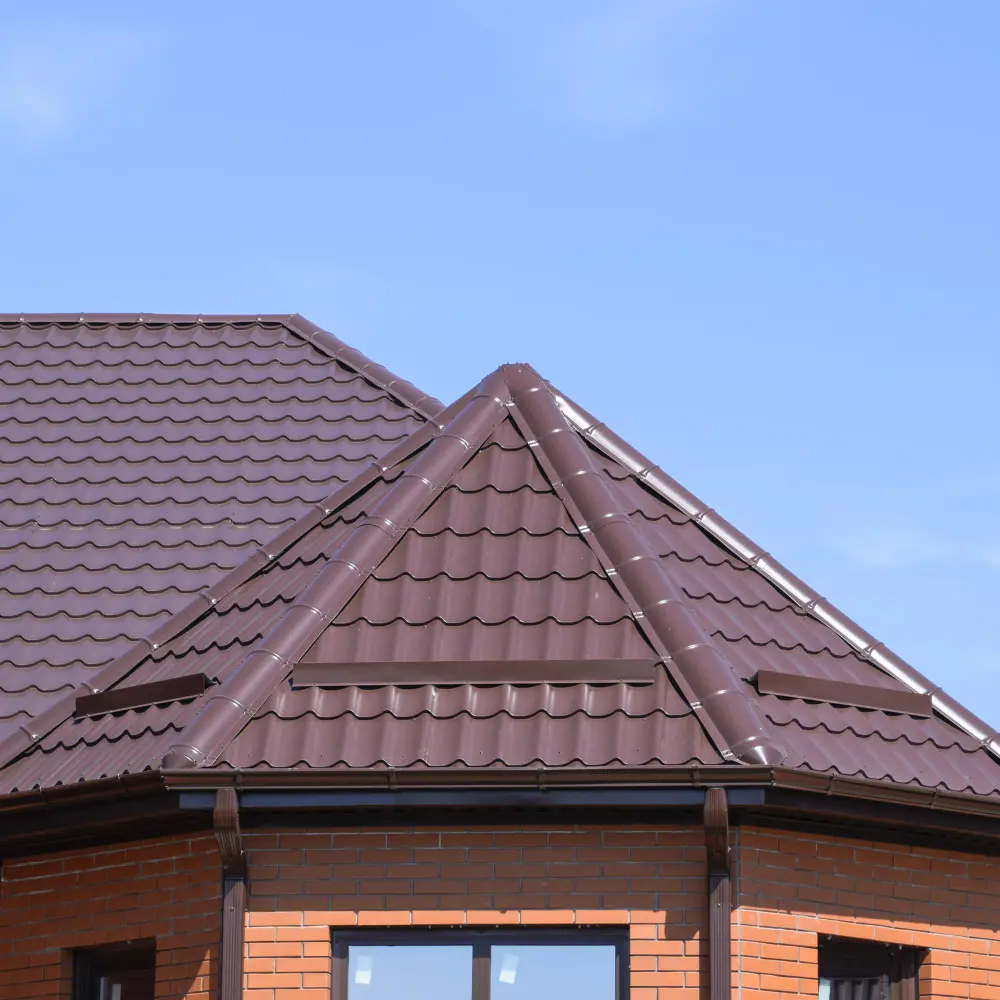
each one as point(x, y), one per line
point(481, 939)
point(89, 964)
point(896, 966)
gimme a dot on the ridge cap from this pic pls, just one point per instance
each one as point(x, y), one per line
point(450, 446)
point(381, 377)
point(706, 678)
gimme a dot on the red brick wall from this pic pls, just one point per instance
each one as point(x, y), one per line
point(793, 888)
point(168, 889)
point(302, 884)
point(789, 889)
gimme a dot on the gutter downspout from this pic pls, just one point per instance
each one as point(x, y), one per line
point(719, 894)
point(226, 820)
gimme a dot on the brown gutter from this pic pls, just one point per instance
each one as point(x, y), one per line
point(716, 818)
point(82, 793)
point(590, 778)
point(201, 779)
point(773, 571)
point(226, 821)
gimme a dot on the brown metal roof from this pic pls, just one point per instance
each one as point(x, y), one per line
point(512, 529)
point(143, 457)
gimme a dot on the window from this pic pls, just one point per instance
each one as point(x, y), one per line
point(866, 970)
point(480, 964)
point(116, 972)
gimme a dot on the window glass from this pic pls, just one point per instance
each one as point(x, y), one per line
point(409, 972)
point(545, 972)
point(116, 972)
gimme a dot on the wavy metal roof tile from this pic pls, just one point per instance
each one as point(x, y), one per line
point(143, 459)
point(525, 541)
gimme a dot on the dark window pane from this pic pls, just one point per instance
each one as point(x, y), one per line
point(545, 972)
point(409, 972)
point(116, 972)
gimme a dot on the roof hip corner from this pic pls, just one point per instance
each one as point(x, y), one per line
point(471, 420)
point(708, 681)
point(777, 574)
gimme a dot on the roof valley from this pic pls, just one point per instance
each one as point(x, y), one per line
point(139, 375)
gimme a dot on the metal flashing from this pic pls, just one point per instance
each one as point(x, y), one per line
point(786, 685)
point(479, 672)
point(406, 392)
point(141, 695)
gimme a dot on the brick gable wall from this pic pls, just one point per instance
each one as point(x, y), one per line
point(166, 889)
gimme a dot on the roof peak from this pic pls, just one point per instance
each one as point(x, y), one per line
point(516, 392)
point(712, 609)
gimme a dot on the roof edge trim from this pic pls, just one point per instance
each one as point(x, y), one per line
point(774, 572)
point(696, 776)
point(380, 376)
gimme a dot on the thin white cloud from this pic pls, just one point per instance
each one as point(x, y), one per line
point(885, 545)
point(611, 64)
point(52, 74)
point(348, 301)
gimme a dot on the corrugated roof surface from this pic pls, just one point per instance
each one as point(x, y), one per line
point(493, 566)
point(142, 459)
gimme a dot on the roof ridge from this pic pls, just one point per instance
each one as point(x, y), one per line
point(731, 538)
point(35, 729)
point(706, 678)
point(327, 343)
point(470, 421)
point(138, 319)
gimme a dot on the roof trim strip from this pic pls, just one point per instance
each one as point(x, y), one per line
point(141, 695)
point(786, 685)
point(477, 672)
point(239, 697)
point(406, 392)
point(774, 572)
point(707, 679)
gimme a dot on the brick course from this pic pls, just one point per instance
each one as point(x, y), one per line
point(166, 889)
point(793, 888)
point(651, 879)
point(789, 889)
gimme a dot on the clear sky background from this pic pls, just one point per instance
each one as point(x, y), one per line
point(759, 238)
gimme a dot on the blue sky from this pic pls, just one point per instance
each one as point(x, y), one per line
point(759, 238)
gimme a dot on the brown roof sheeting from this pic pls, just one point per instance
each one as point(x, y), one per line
point(499, 532)
point(144, 457)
